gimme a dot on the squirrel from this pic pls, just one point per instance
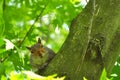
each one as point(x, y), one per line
point(40, 56)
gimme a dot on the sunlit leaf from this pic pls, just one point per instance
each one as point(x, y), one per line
point(104, 75)
point(84, 78)
point(9, 44)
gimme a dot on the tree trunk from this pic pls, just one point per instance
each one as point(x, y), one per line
point(92, 44)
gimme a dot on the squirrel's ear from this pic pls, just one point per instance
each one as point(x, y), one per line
point(29, 48)
point(39, 40)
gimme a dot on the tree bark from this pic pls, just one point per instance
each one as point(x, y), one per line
point(93, 43)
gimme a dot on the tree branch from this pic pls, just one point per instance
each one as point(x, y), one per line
point(28, 32)
point(4, 4)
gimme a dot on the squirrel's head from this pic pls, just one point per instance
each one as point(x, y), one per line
point(37, 49)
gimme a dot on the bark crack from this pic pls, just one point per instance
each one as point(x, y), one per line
point(89, 36)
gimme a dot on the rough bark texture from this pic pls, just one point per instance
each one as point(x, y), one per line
point(92, 44)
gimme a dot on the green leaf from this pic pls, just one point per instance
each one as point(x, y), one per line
point(2, 69)
point(1, 42)
point(3, 77)
point(16, 76)
point(2, 27)
point(84, 78)
point(1, 6)
point(104, 74)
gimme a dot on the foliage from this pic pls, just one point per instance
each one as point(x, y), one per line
point(22, 21)
point(30, 76)
point(104, 75)
point(116, 70)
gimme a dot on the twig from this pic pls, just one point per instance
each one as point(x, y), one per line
point(1, 61)
point(32, 25)
point(4, 4)
point(5, 58)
